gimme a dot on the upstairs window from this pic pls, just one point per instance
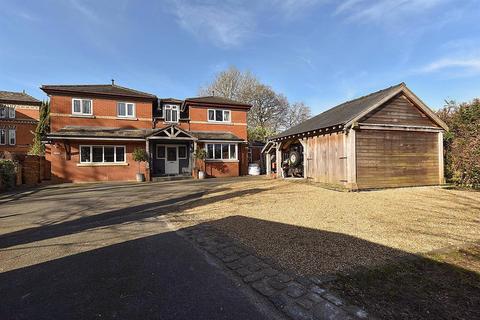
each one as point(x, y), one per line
point(7, 112)
point(82, 107)
point(12, 137)
point(3, 137)
point(171, 113)
point(125, 110)
point(216, 115)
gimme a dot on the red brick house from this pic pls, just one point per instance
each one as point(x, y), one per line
point(19, 114)
point(95, 128)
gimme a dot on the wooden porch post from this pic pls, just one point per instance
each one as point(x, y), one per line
point(279, 159)
point(268, 163)
point(304, 143)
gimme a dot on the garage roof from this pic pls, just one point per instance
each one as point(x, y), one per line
point(345, 113)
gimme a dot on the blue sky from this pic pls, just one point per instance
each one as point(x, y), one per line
point(322, 52)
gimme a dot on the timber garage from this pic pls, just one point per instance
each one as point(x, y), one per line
point(389, 138)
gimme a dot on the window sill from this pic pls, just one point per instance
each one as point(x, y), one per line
point(82, 116)
point(218, 160)
point(127, 118)
point(102, 164)
point(219, 122)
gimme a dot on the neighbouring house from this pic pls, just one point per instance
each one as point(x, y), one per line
point(389, 138)
point(19, 115)
point(95, 128)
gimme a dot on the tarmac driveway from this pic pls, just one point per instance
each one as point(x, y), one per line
point(107, 251)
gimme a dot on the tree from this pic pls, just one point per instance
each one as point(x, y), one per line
point(270, 110)
point(297, 113)
point(462, 142)
point(232, 84)
point(43, 127)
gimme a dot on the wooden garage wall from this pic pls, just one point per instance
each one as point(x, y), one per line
point(396, 158)
point(399, 111)
point(326, 158)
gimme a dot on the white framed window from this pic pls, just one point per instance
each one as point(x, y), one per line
point(82, 107)
point(3, 111)
point(11, 112)
point(219, 115)
point(102, 154)
point(125, 110)
point(221, 151)
point(12, 137)
point(3, 137)
point(171, 113)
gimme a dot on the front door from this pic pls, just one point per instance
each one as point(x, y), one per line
point(171, 163)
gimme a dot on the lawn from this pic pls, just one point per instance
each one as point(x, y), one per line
point(399, 253)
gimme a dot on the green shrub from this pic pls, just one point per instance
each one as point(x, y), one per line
point(139, 155)
point(7, 173)
point(462, 143)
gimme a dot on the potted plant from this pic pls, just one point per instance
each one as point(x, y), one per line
point(140, 155)
point(200, 154)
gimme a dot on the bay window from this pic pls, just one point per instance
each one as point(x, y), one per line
point(218, 115)
point(102, 154)
point(221, 151)
point(82, 107)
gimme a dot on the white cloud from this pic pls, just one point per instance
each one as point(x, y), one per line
point(468, 64)
point(380, 10)
point(224, 24)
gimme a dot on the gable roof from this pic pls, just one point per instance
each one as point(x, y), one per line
point(348, 112)
point(99, 89)
point(217, 100)
point(21, 97)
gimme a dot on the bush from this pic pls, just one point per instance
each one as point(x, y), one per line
point(462, 143)
point(139, 155)
point(7, 173)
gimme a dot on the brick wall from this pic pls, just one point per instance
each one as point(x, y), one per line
point(104, 113)
point(69, 169)
point(25, 124)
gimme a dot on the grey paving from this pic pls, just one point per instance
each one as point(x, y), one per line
point(298, 297)
point(105, 251)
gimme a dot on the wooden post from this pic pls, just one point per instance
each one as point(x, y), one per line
point(441, 174)
point(351, 160)
point(304, 143)
point(268, 164)
point(279, 159)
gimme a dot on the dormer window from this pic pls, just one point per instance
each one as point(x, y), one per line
point(218, 115)
point(171, 113)
point(126, 110)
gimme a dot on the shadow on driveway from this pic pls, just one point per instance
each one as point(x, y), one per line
point(114, 217)
point(156, 277)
